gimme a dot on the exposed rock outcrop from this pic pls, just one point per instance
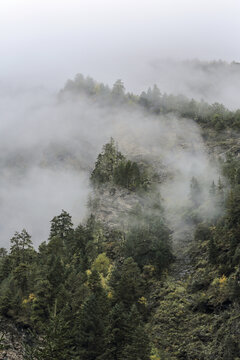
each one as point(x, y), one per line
point(11, 340)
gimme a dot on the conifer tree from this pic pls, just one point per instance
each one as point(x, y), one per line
point(136, 346)
point(195, 192)
point(21, 250)
point(118, 90)
point(61, 226)
point(55, 343)
point(127, 283)
point(213, 189)
point(212, 251)
point(92, 322)
point(116, 333)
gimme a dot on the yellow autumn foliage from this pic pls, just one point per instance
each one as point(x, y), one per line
point(109, 295)
point(31, 297)
point(88, 272)
point(142, 300)
point(222, 280)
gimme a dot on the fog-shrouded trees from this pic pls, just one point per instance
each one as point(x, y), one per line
point(113, 167)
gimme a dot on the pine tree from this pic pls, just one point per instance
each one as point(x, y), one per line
point(42, 302)
point(21, 275)
point(127, 283)
point(212, 251)
point(21, 249)
point(116, 333)
point(90, 327)
point(233, 207)
point(118, 90)
point(106, 163)
point(195, 192)
point(125, 335)
point(137, 342)
point(61, 226)
point(220, 193)
point(55, 343)
point(213, 189)
point(237, 176)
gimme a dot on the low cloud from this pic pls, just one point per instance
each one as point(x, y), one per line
point(48, 149)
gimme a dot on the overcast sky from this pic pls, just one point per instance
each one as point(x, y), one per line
point(45, 42)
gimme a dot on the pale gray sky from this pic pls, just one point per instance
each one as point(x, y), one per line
point(48, 41)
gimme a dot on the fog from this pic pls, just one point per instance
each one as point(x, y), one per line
point(46, 42)
point(212, 81)
point(48, 148)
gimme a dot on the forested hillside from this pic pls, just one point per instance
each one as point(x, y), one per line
point(212, 116)
point(138, 278)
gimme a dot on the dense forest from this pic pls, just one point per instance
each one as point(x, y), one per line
point(215, 116)
point(128, 290)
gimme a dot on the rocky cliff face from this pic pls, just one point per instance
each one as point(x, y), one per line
point(111, 205)
point(11, 340)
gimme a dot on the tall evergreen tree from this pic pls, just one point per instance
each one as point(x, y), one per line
point(127, 283)
point(92, 322)
point(61, 226)
point(137, 345)
point(21, 250)
point(195, 192)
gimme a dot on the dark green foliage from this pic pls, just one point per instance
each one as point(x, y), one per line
point(237, 176)
point(5, 267)
point(126, 337)
point(213, 251)
point(55, 344)
point(21, 250)
point(3, 252)
point(106, 164)
point(92, 321)
point(56, 273)
point(227, 346)
point(233, 206)
point(230, 168)
point(195, 193)
point(42, 302)
point(91, 329)
point(112, 167)
point(5, 301)
point(137, 344)
point(20, 276)
point(202, 232)
point(149, 240)
point(73, 311)
point(61, 226)
point(127, 283)
point(87, 242)
point(127, 174)
point(116, 333)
